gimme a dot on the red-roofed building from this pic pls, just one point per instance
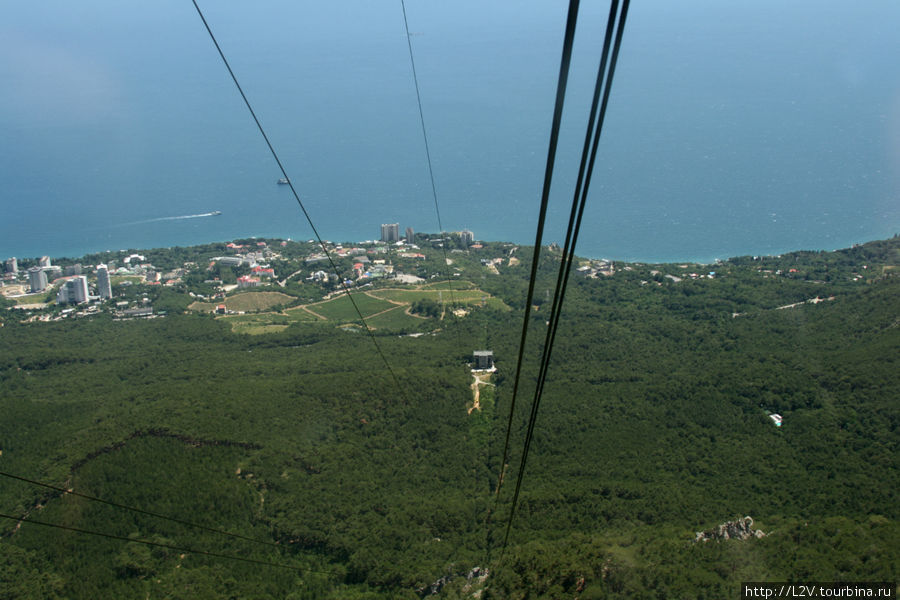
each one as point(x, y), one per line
point(246, 281)
point(263, 271)
point(261, 244)
point(221, 309)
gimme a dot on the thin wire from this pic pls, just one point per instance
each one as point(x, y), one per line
point(437, 210)
point(576, 214)
point(138, 510)
point(161, 545)
point(300, 202)
point(542, 215)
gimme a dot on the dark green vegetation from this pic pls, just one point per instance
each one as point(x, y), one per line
point(653, 426)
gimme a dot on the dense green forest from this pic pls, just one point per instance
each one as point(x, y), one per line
point(373, 480)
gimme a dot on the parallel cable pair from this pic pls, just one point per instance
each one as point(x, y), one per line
point(162, 545)
point(71, 492)
point(585, 171)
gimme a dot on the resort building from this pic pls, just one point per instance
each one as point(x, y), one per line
point(73, 291)
point(38, 279)
point(390, 232)
point(104, 287)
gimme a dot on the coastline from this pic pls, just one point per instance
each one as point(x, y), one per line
point(73, 254)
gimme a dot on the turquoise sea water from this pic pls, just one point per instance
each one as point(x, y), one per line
point(734, 128)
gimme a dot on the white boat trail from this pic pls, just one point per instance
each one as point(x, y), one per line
point(214, 213)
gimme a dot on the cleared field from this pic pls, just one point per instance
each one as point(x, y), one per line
point(394, 318)
point(382, 309)
point(454, 285)
point(257, 300)
point(267, 322)
point(254, 329)
point(341, 309)
point(245, 302)
point(35, 298)
point(468, 297)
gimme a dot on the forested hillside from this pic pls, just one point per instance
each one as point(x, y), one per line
point(368, 480)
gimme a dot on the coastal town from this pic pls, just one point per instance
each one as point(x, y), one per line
point(287, 274)
point(121, 283)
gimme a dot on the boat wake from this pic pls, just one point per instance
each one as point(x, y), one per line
point(214, 213)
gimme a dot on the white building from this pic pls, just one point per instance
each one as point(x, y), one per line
point(38, 279)
point(73, 291)
point(230, 261)
point(104, 288)
point(390, 232)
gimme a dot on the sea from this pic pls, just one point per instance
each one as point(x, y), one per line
point(734, 128)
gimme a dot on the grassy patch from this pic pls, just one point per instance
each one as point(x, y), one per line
point(248, 301)
point(469, 297)
point(267, 322)
point(395, 318)
point(341, 309)
point(256, 328)
point(34, 299)
point(445, 285)
point(245, 302)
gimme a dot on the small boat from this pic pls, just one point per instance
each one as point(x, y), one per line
point(282, 181)
point(215, 213)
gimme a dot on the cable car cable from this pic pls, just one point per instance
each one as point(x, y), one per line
point(437, 209)
point(565, 62)
point(290, 184)
point(577, 211)
point(72, 492)
point(162, 545)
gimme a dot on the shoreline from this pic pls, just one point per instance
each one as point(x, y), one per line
point(706, 260)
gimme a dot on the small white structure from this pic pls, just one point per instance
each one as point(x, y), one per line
point(776, 418)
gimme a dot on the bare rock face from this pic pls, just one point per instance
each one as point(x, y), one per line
point(740, 529)
point(476, 575)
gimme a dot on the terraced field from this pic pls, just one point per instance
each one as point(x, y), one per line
point(382, 308)
point(341, 309)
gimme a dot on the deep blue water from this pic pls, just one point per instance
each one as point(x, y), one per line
point(733, 128)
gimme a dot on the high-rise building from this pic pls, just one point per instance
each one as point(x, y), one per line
point(73, 291)
point(410, 235)
point(103, 285)
point(466, 236)
point(12, 265)
point(38, 279)
point(390, 232)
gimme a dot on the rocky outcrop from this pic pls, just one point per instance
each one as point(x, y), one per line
point(476, 575)
point(741, 529)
